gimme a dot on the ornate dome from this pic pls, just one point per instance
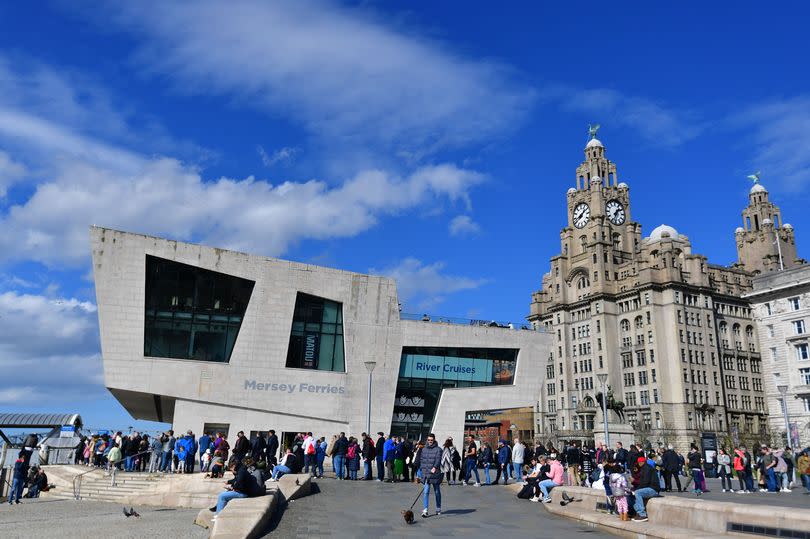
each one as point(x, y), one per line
point(758, 188)
point(739, 230)
point(787, 226)
point(572, 190)
point(623, 185)
point(766, 221)
point(664, 231)
point(596, 180)
point(594, 142)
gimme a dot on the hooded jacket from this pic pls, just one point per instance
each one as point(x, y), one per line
point(388, 450)
point(504, 454)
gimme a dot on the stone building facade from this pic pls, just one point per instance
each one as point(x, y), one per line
point(781, 304)
point(672, 331)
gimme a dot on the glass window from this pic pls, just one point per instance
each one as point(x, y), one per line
point(191, 312)
point(802, 352)
point(316, 336)
point(798, 327)
point(425, 371)
point(805, 375)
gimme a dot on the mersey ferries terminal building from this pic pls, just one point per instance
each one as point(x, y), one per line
point(209, 339)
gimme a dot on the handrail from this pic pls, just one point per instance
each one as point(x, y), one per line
point(77, 479)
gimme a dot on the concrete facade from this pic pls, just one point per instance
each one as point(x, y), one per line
point(781, 302)
point(255, 390)
point(673, 332)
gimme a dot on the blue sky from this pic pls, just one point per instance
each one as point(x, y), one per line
point(432, 142)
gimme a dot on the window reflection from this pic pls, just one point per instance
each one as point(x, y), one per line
point(192, 313)
point(316, 338)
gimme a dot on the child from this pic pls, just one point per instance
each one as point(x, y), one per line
point(618, 486)
point(206, 460)
point(216, 464)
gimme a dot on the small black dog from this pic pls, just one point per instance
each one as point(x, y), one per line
point(408, 516)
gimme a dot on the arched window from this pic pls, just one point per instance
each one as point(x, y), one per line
point(639, 322)
point(624, 325)
point(583, 240)
point(749, 333)
point(736, 329)
point(723, 328)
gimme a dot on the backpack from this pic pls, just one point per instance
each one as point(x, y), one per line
point(738, 463)
point(526, 492)
point(352, 451)
point(311, 448)
point(259, 478)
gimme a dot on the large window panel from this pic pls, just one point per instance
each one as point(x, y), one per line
point(191, 312)
point(316, 335)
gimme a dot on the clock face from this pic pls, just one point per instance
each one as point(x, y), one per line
point(582, 214)
point(615, 212)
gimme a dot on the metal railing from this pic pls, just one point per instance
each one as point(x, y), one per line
point(469, 321)
point(111, 473)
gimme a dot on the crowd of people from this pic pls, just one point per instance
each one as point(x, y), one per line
point(629, 475)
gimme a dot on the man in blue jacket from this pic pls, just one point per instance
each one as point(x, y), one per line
point(504, 458)
point(204, 443)
point(18, 483)
point(430, 462)
point(191, 451)
point(389, 448)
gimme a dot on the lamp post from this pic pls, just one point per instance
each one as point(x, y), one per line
point(370, 368)
point(602, 377)
point(783, 389)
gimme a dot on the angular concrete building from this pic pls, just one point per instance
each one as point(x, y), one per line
point(209, 339)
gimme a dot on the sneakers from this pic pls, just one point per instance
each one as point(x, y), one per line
point(725, 490)
point(438, 511)
point(424, 513)
point(479, 484)
point(535, 499)
point(546, 500)
point(786, 490)
point(639, 518)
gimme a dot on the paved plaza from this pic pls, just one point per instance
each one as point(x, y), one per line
point(67, 519)
point(363, 509)
point(795, 498)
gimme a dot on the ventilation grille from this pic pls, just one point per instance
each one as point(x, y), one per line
point(767, 531)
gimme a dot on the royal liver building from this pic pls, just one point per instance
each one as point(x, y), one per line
point(670, 329)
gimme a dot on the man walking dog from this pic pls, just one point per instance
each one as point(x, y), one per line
point(430, 462)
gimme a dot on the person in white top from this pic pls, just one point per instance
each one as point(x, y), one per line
point(309, 452)
point(518, 451)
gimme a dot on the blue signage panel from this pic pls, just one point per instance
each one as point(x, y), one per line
point(446, 368)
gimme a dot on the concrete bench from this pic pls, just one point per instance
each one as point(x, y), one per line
point(672, 517)
point(246, 518)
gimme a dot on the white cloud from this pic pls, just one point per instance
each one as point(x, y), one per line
point(340, 71)
point(284, 154)
point(10, 172)
point(48, 348)
point(463, 224)
point(423, 286)
point(655, 122)
point(780, 133)
point(163, 197)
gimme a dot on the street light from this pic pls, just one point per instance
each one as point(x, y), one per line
point(370, 368)
point(783, 389)
point(602, 377)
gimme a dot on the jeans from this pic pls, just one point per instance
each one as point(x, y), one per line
point(16, 490)
point(806, 481)
point(517, 470)
point(725, 478)
point(546, 486)
point(389, 470)
point(641, 495)
point(338, 463)
point(785, 481)
point(129, 463)
point(700, 480)
point(380, 468)
point(366, 469)
point(33, 491)
point(320, 467)
point(155, 462)
point(225, 497)
point(770, 480)
point(470, 467)
point(309, 460)
point(486, 473)
point(353, 475)
point(280, 470)
point(426, 495)
point(749, 481)
point(166, 463)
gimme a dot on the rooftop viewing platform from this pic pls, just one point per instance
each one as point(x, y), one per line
point(469, 322)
